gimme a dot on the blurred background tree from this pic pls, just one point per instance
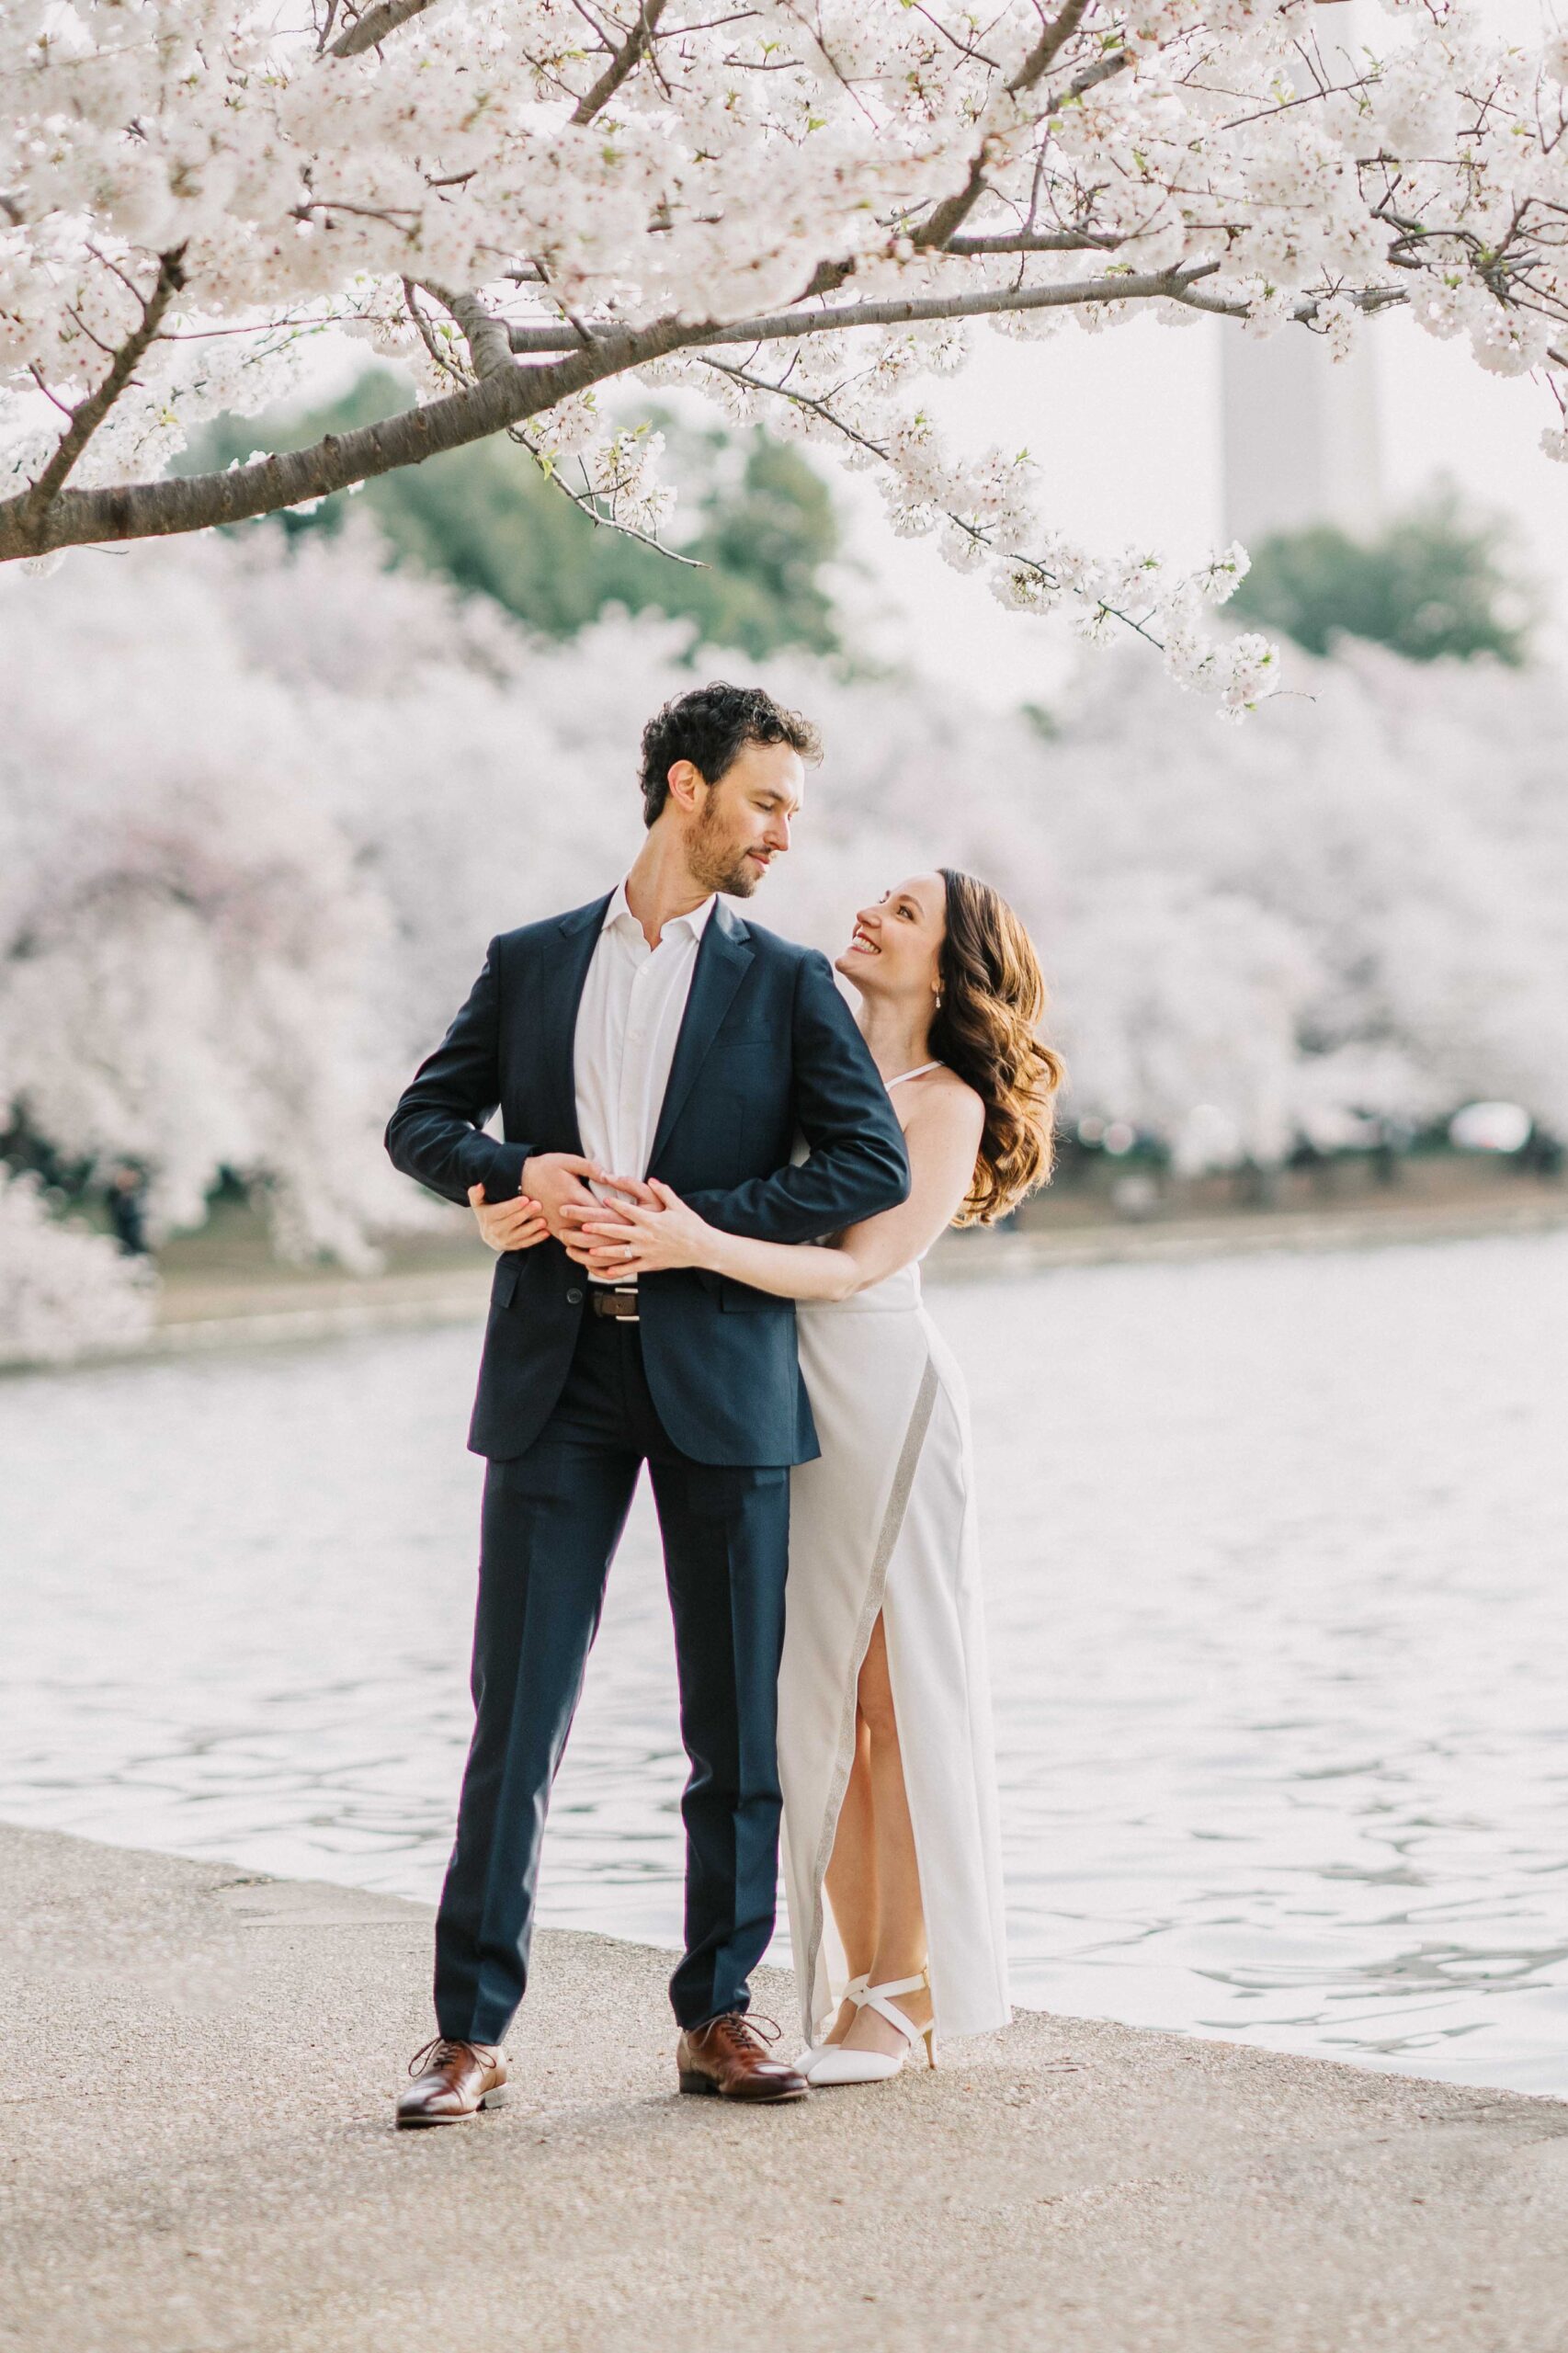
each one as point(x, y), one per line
point(247, 857)
point(486, 519)
point(1435, 580)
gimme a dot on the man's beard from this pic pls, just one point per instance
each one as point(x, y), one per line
point(717, 864)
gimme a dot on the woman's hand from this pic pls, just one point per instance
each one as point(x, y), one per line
point(508, 1225)
point(647, 1237)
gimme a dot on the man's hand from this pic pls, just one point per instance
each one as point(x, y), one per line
point(508, 1225)
point(553, 1178)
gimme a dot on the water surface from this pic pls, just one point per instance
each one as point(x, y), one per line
point(1277, 1552)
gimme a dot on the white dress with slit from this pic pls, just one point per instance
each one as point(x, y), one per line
point(884, 1520)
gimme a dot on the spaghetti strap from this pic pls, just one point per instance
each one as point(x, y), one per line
point(918, 1072)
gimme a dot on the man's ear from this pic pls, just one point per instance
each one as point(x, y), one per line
point(686, 784)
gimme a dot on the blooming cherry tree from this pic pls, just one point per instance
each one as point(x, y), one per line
point(799, 207)
point(63, 1291)
point(189, 953)
point(228, 949)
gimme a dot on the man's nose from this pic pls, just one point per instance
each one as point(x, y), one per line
point(778, 835)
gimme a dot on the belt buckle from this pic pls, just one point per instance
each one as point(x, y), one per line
point(626, 1291)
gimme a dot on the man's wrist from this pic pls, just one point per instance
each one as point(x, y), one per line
point(500, 1170)
point(533, 1174)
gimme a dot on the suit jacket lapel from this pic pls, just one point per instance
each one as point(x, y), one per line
point(554, 1010)
point(722, 959)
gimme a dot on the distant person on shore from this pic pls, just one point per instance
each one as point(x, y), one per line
point(127, 1209)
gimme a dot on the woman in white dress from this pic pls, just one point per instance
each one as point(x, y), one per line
point(891, 1855)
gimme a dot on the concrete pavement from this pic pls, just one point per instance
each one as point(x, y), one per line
point(197, 2156)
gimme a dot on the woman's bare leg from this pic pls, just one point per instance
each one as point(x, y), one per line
point(900, 1945)
point(852, 1875)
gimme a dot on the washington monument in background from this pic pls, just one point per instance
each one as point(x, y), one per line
point(1301, 435)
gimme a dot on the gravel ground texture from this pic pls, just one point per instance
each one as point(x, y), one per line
point(196, 2155)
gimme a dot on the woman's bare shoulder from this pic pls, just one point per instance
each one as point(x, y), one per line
point(948, 1106)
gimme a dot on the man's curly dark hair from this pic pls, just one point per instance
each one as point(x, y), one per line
point(710, 727)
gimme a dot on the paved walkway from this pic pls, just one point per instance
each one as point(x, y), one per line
point(197, 2156)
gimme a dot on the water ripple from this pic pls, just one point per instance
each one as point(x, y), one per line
point(1275, 1551)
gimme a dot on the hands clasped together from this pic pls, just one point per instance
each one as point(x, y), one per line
point(643, 1230)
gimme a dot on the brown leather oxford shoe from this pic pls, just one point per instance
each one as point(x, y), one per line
point(730, 2060)
point(452, 2080)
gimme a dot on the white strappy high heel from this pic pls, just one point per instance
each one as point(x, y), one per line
point(813, 2051)
point(834, 2063)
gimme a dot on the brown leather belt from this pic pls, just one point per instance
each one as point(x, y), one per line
point(622, 1304)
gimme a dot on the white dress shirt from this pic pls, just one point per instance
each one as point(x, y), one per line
point(628, 1021)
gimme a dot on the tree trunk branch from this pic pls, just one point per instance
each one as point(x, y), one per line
point(783, 326)
point(955, 210)
point(1036, 241)
point(90, 412)
point(485, 337)
point(937, 233)
point(513, 392)
point(374, 23)
point(1053, 40)
point(623, 63)
point(200, 502)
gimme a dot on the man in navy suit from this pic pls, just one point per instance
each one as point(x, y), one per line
point(652, 1033)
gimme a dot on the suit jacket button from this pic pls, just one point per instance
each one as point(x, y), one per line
point(574, 1299)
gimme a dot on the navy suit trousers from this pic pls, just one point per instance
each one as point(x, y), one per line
point(552, 1519)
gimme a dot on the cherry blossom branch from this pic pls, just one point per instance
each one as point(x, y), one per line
point(90, 412)
point(373, 24)
point(505, 394)
point(426, 333)
point(1166, 285)
point(1234, 169)
point(587, 503)
point(1238, 673)
point(290, 478)
point(1036, 241)
point(624, 61)
point(485, 337)
point(815, 405)
point(1368, 300)
point(950, 214)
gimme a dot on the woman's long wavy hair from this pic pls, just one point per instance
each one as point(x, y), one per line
point(992, 1001)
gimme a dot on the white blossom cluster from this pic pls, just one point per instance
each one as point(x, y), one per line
point(796, 208)
point(63, 1291)
point(186, 949)
point(260, 811)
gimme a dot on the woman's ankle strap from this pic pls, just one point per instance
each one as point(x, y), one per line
point(893, 1985)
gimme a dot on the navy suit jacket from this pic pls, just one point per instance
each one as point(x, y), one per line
point(766, 1050)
